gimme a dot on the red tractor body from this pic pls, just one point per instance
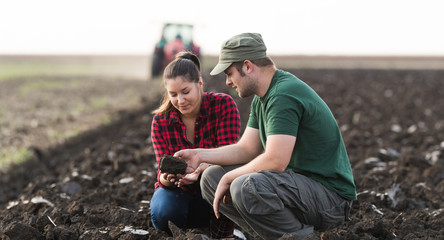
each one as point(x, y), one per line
point(175, 38)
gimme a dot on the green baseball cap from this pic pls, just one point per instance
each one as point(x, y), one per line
point(245, 46)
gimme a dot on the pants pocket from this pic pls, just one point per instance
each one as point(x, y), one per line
point(258, 199)
point(287, 189)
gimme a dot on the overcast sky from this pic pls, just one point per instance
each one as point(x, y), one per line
point(314, 27)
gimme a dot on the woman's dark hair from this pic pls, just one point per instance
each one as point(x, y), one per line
point(186, 65)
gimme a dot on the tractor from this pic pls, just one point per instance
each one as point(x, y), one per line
point(174, 38)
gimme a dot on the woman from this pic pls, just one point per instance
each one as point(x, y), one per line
point(189, 118)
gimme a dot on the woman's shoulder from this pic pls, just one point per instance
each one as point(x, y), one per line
point(161, 117)
point(158, 116)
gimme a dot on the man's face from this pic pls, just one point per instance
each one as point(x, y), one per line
point(244, 85)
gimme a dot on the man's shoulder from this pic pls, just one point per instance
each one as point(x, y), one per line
point(286, 77)
point(288, 83)
point(283, 83)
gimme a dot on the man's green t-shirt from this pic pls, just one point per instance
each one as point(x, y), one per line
point(293, 108)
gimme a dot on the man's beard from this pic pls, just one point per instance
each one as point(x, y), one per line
point(248, 90)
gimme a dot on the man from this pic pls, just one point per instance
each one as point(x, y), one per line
point(289, 172)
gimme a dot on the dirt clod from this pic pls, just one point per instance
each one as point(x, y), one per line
point(173, 165)
point(17, 230)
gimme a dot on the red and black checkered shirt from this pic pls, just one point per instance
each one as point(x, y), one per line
point(218, 124)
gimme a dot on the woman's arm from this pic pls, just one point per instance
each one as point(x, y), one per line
point(160, 148)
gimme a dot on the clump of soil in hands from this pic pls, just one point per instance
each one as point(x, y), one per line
point(173, 165)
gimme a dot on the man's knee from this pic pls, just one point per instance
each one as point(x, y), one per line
point(209, 173)
point(209, 180)
point(236, 191)
point(252, 194)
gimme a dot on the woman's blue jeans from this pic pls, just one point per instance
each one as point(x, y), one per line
point(182, 208)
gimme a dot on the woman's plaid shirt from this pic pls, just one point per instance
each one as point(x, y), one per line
point(218, 124)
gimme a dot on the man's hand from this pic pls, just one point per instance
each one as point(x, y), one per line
point(191, 157)
point(188, 179)
point(222, 192)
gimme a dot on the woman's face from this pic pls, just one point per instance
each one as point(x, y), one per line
point(185, 96)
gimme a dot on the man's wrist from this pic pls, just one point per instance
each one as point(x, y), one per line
point(200, 153)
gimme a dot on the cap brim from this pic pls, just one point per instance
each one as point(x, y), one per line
point(220, 67)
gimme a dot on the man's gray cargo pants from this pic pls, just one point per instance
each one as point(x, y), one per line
point(269, 204)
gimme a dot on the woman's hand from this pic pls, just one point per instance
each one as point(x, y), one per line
point(191, 177)
point(168, 179)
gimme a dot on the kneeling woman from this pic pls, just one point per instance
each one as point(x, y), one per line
point(189, 118)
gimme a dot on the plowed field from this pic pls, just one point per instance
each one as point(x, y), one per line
point(98, 183)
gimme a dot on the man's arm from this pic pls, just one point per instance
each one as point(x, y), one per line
point(248, 147)
point(276, 157)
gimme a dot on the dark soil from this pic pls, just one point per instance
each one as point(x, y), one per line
point(170, 164)
point(98, 185)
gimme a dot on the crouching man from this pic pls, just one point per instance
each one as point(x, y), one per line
point(289, 172)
